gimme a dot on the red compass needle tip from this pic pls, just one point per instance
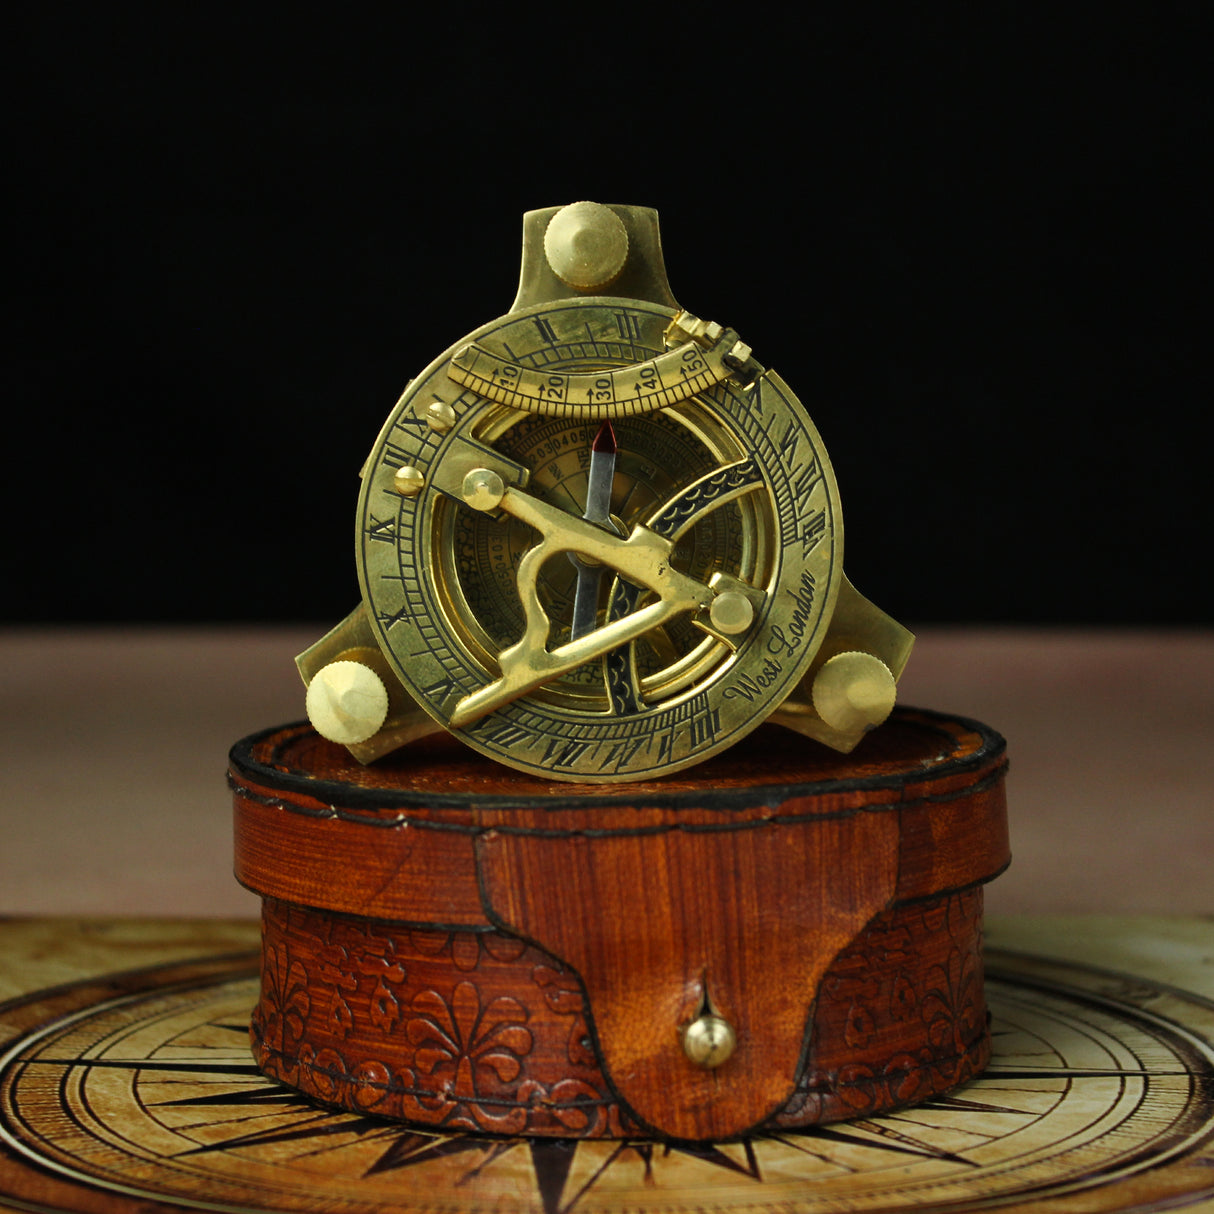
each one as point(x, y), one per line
point(604, 440)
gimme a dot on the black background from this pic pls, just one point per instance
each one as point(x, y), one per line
point(972, 238)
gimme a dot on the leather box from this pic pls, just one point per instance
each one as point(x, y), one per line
point(455, 944)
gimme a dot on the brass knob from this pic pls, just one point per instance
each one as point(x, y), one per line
point(346, 702)
point(709, 1040)
point(586, 245)
point(440, 417)
point(483, 489)
point(731, 612)
point(408, 481)
point(853, 691)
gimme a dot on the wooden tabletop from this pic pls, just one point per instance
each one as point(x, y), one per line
point(113, 749)
point(126, 1088)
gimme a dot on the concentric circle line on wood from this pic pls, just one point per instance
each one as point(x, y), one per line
point(147, 1099)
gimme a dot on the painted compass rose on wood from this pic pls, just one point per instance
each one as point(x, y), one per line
point(136, 1092)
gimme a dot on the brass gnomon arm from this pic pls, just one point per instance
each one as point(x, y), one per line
point(642, 557)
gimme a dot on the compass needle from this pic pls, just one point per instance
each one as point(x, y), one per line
point(598, 511)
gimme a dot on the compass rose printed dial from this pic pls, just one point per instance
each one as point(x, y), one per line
point(140, 1094)
point(596, 544)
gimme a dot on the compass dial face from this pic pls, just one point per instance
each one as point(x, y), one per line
point(710, 577)
point(141, 1095)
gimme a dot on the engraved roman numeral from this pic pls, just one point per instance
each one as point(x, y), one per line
point(622, 753)
point(387, 618)
point(501, 733)
point(547, 332)
point(564, 752)
point(788, 444)
point(805, 478)
point(704, 727)
point(396, 455)
point(812, 531)
point(383, 529)
point(439, 692)
point(756, 395)
point(665, 742)
point(629, 326)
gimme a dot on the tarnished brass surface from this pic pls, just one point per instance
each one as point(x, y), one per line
point(716, 556)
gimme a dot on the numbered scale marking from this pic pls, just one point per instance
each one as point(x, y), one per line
point(1101, 1090)
point(654, 383)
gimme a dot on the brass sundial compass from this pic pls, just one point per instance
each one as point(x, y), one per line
point(598, 540)
point(135, 1092)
